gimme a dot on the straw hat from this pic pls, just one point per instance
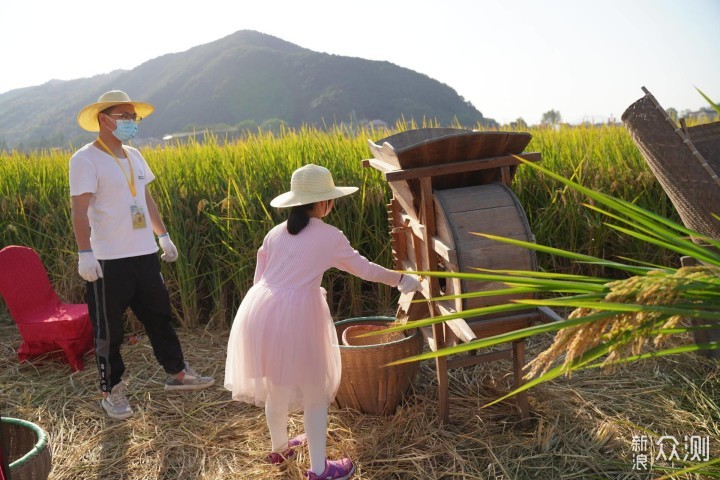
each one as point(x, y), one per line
point(310, 184)
point(87, 118)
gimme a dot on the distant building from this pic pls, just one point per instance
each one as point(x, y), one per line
point(377, 123)
point(705, 114)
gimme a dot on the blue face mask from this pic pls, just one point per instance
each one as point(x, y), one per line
point(125, 130)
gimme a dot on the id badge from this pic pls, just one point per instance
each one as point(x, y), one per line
point(138, 217)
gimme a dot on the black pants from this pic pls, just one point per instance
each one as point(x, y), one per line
point(134, 282)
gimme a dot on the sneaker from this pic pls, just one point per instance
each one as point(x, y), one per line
point(191, 381)
point(334, 470)
point(116, 404)
point(276, 458)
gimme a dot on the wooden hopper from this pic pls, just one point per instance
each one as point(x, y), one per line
point(423, 149)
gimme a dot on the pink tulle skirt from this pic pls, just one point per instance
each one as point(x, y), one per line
point(282, 337)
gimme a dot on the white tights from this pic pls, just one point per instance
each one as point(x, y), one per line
point(314, 419)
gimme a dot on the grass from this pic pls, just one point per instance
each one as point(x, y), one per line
point(582, 426)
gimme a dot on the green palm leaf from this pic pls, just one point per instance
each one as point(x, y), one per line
point(712, 104)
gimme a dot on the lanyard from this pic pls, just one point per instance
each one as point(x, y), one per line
point(131, 179)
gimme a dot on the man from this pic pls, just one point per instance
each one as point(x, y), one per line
point(114, 217)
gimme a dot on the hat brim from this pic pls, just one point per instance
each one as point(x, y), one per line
point(87, 118)
point(292, 199)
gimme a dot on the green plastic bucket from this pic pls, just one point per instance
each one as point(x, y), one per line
point(28, 449)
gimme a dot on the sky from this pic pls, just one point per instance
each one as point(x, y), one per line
point(511, 59)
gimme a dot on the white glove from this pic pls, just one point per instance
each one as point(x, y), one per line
point(88, 266)
point(170, 253)
point(408, 283)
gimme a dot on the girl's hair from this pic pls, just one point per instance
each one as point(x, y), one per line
point(299, 218)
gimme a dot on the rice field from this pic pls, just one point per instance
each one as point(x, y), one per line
point(215, 197)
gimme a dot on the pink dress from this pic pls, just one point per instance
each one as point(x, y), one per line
point(283, 333)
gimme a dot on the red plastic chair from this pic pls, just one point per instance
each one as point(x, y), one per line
point(46, 324)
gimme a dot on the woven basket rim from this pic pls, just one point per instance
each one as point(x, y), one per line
point(352, 321)
point(362, 328)
point(40, 444)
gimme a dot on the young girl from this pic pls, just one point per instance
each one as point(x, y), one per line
point(283, 350)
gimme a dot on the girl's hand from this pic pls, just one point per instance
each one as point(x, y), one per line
point(409, 283)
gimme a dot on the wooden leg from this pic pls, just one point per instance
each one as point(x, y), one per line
point(432, 262)
point(443, 390)
point(505, 176)
point(703, 336)
point(441, 370)
point(521, 399)
point(707, 335)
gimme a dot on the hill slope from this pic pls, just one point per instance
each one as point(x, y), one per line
point(245, 77)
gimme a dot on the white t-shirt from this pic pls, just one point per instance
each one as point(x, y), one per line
point(112, 235)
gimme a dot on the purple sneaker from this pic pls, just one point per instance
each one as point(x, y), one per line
point(276, 458)
point(334, 470)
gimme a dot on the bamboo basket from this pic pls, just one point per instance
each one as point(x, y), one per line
point(366, 385)
point(28, 449)
point(688, 173)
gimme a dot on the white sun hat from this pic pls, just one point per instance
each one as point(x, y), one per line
point(87, 118)
point(310, 184)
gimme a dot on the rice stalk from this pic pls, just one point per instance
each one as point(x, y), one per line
point(655, 288)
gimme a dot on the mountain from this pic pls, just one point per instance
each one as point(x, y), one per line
point(246, 78)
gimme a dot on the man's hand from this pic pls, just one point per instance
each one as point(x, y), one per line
point(88, 266)
point(170, 253)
